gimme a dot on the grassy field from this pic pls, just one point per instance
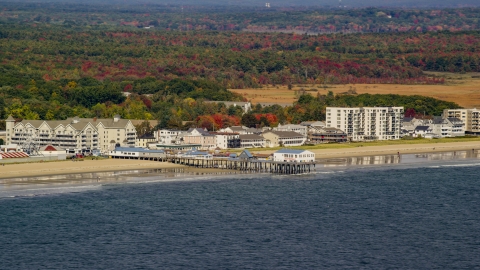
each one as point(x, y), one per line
point(464, 89)
point(365, 144)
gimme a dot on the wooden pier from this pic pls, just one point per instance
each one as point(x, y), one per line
point(251, 165)
point(248, 165)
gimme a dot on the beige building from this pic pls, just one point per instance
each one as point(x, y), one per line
point(145, 140)
point(284, 138)
point(73, 134)
point(470, 117)
point(201, 137)
point(367, 123)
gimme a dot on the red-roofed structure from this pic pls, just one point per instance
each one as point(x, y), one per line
point(50, 148)
point(14, 155)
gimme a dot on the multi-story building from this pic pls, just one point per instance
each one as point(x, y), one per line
point(166, 136)
point(469, 117)
point(326, 135)
point(251, 141)
point(200, 136)
point(145, 140)
point(367, 123)
point(295, 128)
point(226, 140)
point(73, 134)
point(284, 138)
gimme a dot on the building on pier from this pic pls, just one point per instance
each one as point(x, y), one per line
point(194, 154)
point(136, 153)
point(293, 155)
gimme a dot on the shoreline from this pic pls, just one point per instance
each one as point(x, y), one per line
point(394, 149)
point(37, 169)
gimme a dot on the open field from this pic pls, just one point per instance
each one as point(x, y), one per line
point(464, 89)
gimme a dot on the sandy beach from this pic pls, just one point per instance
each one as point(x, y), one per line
point(86, 166)
point(391, 149)
point(395, 149)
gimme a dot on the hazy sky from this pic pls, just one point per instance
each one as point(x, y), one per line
point(273, 3)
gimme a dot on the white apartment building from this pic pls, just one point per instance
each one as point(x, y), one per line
point(166, 136)
point(366, 123)
point(74, 134)
point(469, 117)
point(226, 140)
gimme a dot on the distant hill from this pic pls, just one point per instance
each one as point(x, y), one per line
point(276, 3)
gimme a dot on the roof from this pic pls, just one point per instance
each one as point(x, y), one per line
point(437, 120)
point(251, 137)
point(78, 123)
point(246, 153)
point(454, 119)
point(408, 119)
point(10, 118)
point(238, 128)
point(291, 126)
point(50, 148)
point(147, 136)
point(137, 149)
point(291, 151)
point(196, 153)
point(328, 130)
point(254, 130)
point(285, 134)
point(224, 133)
point(422, 128)
point(312, 123)
point(200, 130)
point(14, 155)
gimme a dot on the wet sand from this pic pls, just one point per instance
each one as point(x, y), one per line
point(358, 151)
point(395, 149)
point(86, 166)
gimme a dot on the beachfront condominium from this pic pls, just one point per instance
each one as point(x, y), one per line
point(76, 134)
point(366, 123)
point(469, 117)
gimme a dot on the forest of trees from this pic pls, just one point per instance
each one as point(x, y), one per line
point(235, 59)
point(54, 69)
point(227, 18)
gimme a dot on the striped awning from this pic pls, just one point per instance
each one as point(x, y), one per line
point(14, 155)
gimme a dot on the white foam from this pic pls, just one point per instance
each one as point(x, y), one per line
point(32, 192)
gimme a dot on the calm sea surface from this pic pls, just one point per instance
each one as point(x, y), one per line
point(363, 218)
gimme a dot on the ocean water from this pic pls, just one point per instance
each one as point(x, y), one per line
point(410, 217)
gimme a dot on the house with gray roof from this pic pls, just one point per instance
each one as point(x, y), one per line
point(295, 128)
point(422, 131)
point(284, 138)
point(252, 141)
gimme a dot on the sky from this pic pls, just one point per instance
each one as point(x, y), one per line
point(273, 3)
